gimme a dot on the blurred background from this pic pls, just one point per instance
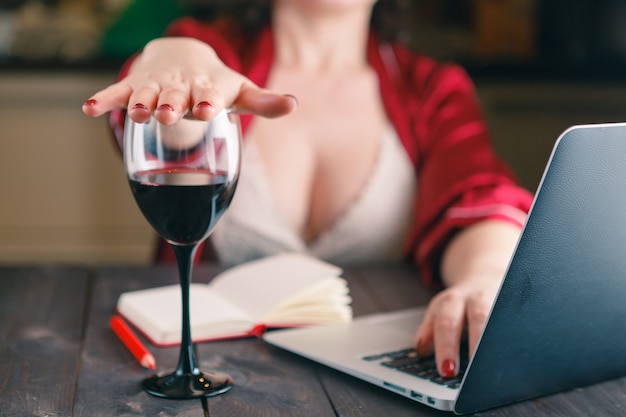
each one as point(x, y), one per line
point(540, 66)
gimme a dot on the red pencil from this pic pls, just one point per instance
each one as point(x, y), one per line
point(133, 344)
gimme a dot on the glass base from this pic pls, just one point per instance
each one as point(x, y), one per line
point(186, 386)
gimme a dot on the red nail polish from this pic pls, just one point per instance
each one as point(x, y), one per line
point(140, 106)
point(448, 368)
point(166, 107)
point(204, 105)
point(90, 102)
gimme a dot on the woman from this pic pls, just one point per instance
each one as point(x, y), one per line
point(386, 157)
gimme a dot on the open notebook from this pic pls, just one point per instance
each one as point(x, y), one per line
point(282, 290)
point(558, 320)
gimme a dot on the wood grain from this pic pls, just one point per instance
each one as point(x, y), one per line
point(58, 356)
point(41, 327)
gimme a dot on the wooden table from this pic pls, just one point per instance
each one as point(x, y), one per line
point(58, 356)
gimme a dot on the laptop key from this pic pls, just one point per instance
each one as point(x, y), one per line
point(390, 355)
point(450, 382)
point(407, 361)
point(397, 363)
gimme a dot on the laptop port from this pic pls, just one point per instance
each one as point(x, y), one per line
point(394, 387)
point(417, 395)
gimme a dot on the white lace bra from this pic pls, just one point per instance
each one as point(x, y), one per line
point(372, 229)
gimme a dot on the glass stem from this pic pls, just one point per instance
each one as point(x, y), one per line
point(187, 360)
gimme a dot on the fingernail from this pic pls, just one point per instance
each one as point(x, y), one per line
point(294, 98)
point(90, 102)
point(448, 368)
point(204, 105)
point(166, 107)
point(140, 106)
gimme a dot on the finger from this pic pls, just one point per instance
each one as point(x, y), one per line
point(142, 103)
point(113, 97)
point(424, 337)
point(448, 327)
point(478, 309)
point(172, 105)
point(264, 103)
point(207, 102)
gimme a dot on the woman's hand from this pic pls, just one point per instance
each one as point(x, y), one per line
point(174, 76)
point(461, 308)
point(472, 268)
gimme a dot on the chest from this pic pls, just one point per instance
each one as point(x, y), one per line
point(318, 158)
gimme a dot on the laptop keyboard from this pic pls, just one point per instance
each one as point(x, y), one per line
point(407, 361)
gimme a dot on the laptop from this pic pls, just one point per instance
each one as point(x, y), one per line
point(559, 320)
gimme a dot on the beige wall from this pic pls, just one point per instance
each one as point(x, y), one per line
point(527, 118)
point(63, 192)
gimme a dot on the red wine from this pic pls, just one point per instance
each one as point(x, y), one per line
point(183, 206)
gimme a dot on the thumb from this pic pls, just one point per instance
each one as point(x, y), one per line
point(264, 102)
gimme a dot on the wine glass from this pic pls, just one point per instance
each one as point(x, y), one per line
point(183, 177)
